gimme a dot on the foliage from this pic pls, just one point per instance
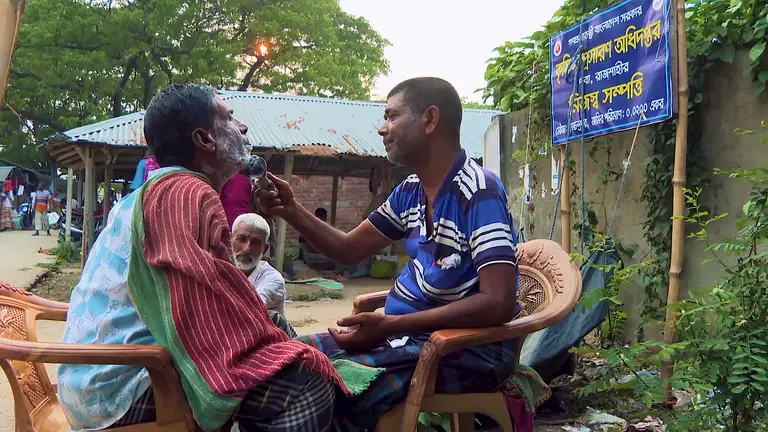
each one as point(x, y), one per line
point(518, 77)
point(81, 61)
point(618, 278)
point(475, 105)
point(67, 252)
point(722, 356)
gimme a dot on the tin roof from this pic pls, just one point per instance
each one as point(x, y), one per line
point(5, 171)
point(309, 125)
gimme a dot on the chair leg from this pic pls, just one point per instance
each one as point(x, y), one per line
point(390, 421)
point(462, 422)
point(493, 405)
point(498, 411)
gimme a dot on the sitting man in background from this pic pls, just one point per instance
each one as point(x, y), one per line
point(462, 271)
point(250, 241)
point(309, 254)
point(161, 273)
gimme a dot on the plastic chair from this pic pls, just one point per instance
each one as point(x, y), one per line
point(550, 287)
point(36, 407)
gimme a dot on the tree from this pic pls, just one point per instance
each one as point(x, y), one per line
point(82, 61)
point(475, 105)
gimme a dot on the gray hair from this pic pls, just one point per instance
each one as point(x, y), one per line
point(254, 221)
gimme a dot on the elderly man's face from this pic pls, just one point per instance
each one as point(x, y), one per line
point(248, 246)
point(233, 148)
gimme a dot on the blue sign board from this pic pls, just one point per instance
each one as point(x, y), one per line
point(625, 76)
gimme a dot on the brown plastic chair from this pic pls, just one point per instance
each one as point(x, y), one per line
point(36, 407)
point(550, 287)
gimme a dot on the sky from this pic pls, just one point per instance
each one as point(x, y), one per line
point(450, 39)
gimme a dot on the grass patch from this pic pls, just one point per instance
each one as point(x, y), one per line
point(303, 322)
point(316, 295)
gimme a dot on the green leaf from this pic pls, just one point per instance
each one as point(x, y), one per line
point(763, 76)
point(726, 53)
point(741, 131)
point(757, 51)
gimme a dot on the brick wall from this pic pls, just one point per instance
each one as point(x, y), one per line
point(315, 191)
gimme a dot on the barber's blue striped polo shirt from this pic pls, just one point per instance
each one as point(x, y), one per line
point(472, 229)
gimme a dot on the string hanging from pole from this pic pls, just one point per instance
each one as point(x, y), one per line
point(526, 169)
point(628, 161)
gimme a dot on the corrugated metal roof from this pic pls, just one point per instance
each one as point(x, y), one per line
point(5, 171)
point(287, 123)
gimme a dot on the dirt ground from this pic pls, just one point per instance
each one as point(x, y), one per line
point(19, 254)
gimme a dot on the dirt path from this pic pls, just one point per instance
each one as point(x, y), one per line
point(18, 256)
point(18, 259)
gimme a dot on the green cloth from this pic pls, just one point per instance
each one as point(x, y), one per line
point(150, 292)
point(527, 383)
point(357, 377)
point(321, 282)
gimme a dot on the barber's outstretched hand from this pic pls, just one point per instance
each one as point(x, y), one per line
point(278, 200)
point(365, 331)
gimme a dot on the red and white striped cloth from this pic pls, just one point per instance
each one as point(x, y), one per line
point(220, 320)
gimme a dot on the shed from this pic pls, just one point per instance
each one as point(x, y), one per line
point(296, 134)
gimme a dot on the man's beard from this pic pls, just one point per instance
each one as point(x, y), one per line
point(235, 150)
point(246, 262)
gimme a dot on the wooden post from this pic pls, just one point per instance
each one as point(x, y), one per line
point(90, 204)
point(678, 198)
point(70, 191)
point(10, 20)
point(334, 198)
point(283, 225)
point(107, 184)
point(386, 178)
point(80, 187)
point(565, 202)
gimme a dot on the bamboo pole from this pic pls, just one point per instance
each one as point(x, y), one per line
point(10, 21)
point(678, 198)
point(565, 202)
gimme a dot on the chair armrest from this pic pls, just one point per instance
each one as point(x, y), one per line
point(369, 302)
point(170, 400)
point(450, 340)
point(108, 354)
point(49, 309)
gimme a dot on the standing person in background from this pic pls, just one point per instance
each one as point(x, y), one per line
point(56, 203)
point(6, 212)
point(236, 197)
point(41, 202)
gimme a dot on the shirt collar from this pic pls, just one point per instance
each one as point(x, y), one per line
point(445, 186)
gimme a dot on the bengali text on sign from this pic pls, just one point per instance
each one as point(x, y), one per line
point(623, 77)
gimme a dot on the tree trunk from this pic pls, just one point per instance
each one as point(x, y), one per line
point(117, 98)
point(148, 91)
point(249, 76)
